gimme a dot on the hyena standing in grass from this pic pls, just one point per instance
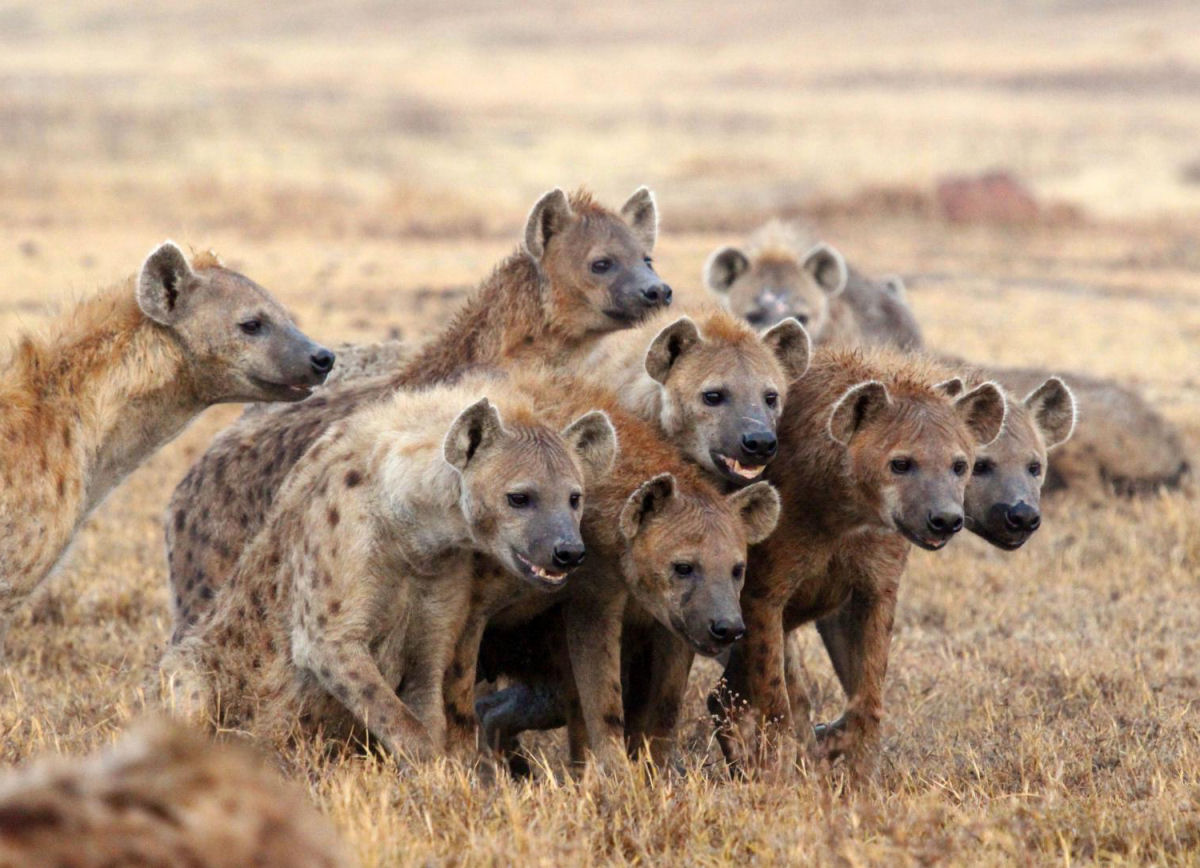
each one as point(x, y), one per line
point(874, 456)
point(163, 795)
point(715, 389)
point(582, 271)
point(345, 610)
point(1001, 505)
point(117, 379)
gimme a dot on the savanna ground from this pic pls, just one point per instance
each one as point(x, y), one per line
point(369, 163)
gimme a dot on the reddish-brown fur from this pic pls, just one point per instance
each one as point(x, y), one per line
point(839, 546)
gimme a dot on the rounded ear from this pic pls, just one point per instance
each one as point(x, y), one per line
point(163, 277)
point(790, 343)
point(593, 438)
point(724, 266)
point(893, 285)
point(1054, 410)
point(856, 408)
point(549, 216)
point(476, 429)
point(951, 388)
point(651, 496)
point(668, 345)
point(827, 267)
point(758, 507)
point(983, 410)
point(641, 213)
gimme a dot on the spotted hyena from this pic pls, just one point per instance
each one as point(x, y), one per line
point(119, 377)
point(875, 456)
point(361, 581)
point(163, 795)
point(583, 270)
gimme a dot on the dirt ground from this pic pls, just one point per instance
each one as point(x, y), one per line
point(369, 162)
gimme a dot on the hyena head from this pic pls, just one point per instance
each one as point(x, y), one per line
point(685, 555)
point(1003, 502)
point(910, 455)
point(723, 388)
point(241, 343)
point(596, 262)
point(775, 283)
point(523, 486)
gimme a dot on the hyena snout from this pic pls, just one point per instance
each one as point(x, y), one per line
point(726, 631)
point(656, 295)
point(569, 553)
point(760, 446)
point(943, 523)
point(322, 362)
point(1022, 518)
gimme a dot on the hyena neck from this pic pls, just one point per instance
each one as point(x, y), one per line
point(506, 315)
point(121, 387)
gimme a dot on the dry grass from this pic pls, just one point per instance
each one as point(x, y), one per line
point(369, 164)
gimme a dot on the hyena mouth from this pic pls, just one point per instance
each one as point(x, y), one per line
point(543, 575)
point(735, 467)
point(288, 391)
point(930, 544)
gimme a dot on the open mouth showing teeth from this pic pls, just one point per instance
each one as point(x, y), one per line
point(931, 544)
point(745, 471)
point(540, 573)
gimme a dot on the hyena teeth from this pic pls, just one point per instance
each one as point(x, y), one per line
point(741, 469)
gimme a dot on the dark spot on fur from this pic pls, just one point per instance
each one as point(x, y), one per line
point(334, 517)
point(614, 721)
point(353, 478)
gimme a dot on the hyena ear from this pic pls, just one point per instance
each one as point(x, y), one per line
point(641, 213)
point(549, 216)
point(163, 277)
point(650, 497)
point(668, 345)
point(1053, 408)
point(593, 438)
point(893, 285)
point(758, 507)
point(724, 267)
point(790, 343)
point(951, 388)
point(983, 410)
point(827, 267)
point(857, 408)
point(476, 429)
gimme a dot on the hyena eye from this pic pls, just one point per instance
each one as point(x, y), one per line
point(803, 317)
point(738, 570)
point(713, 398)
point(683, 568)
point(960, 468)
point(982, 467)
point(1035, 469)
point(575, 500)
point(251, 326)
point(771, 398)
point(901, 465)
point(601, 266)
point(518, 500)
point(649, 262)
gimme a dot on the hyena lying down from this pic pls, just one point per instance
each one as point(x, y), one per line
point(582, 271)
point(344, 611)
point(161, 796)
point(117, 379)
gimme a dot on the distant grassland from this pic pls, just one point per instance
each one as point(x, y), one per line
point(369, 165)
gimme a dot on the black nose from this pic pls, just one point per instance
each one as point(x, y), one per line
point(727, 630)
point(660, 293)
point(945, 522)
point(760, 444)
point(1022, 517)
point(569, 554)
point(322, 361)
